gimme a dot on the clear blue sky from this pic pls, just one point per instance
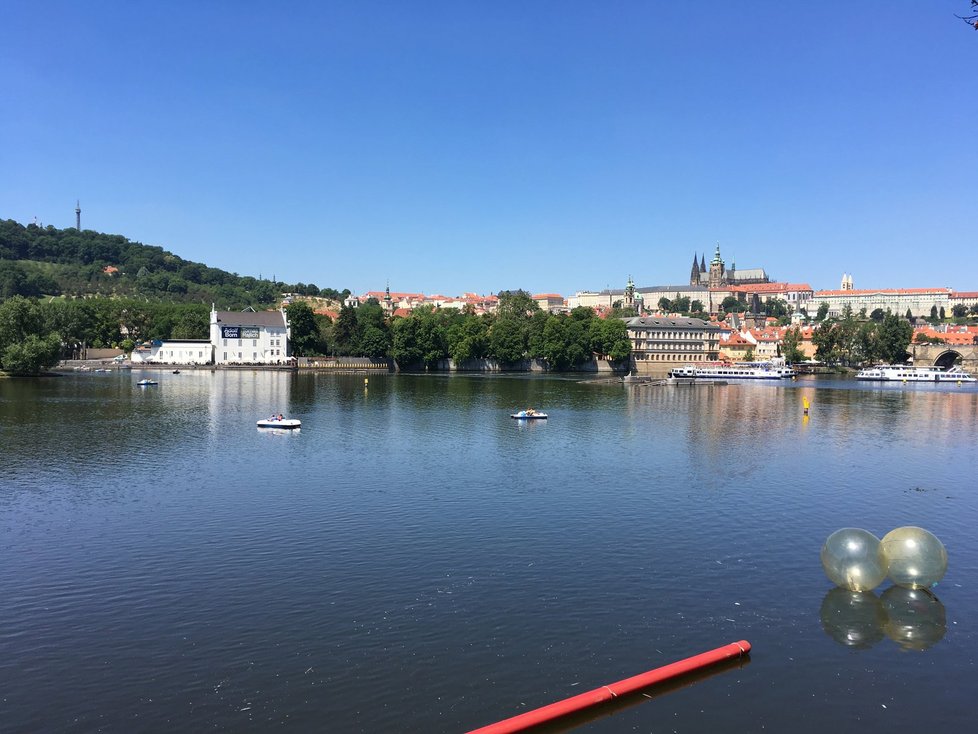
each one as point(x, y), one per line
point(475, 146)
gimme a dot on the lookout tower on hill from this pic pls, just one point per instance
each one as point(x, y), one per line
point(78, 215)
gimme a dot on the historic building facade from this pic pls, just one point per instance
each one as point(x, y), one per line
point(250, 337)
point(660, 343)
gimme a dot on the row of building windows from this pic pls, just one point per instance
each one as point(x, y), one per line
point(671, 357)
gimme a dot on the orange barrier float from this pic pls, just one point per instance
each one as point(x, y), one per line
point(601, 695)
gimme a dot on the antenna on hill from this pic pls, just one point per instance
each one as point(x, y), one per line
point(78, 215)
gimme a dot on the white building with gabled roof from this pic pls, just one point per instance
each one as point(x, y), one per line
point(250, 337)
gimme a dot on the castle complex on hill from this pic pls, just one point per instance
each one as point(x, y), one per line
point(719, 276)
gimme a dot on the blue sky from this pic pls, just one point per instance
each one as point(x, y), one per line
point(476, 146)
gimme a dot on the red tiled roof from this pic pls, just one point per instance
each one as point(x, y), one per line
point(768, 288)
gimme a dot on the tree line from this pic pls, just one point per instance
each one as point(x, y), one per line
point(37, 334)
point(46, 261)
point(519, 330)
point(850, 340)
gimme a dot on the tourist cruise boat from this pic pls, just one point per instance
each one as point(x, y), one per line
point(733, 371)
point(908, 373)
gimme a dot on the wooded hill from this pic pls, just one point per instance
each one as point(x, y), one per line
point(45, 261)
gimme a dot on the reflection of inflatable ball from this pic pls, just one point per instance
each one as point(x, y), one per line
point(915, 618)
point(853, 559)
point(916, 558)
point(853, 618)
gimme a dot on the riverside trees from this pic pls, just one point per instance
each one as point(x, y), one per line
point(851, 341)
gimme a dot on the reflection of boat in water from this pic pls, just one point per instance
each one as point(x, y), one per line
point(733, 371)
point(528, 415)
point(147, 383)
point(284, 423)
point(909, 373)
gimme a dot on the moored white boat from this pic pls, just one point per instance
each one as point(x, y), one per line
point(147, 383)
point(909, 373)
point(733, 371)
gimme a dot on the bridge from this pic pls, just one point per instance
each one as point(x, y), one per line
point(945, 355)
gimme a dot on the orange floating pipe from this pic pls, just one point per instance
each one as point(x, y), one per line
point(583, 701)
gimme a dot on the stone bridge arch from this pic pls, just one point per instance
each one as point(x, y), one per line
point(947, 358)
point(944, 355)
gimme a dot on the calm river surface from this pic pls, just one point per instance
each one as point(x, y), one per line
point(414, 560)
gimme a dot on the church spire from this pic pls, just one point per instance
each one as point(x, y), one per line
point(694, 274)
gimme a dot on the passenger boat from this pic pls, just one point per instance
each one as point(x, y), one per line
point(909, 373)
point(528, 415)
point(147, 383)
point(734, 371)
point(279, 423)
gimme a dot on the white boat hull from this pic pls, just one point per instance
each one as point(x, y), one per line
point(901, 373)
point(284, 423)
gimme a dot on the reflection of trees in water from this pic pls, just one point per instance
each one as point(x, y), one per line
point(913, 618)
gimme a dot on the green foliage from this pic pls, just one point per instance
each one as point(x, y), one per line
point(507, 341)
point(790, 345)
point(959, 310)
point(777, 308)
point(823, 311)
point(36, 261)
point(303, 327)
point(516, 304)
point(877, 314)
point(849, 342)
point(731, 304)
point(893, 338)
point(27, 346)
point(32, 355)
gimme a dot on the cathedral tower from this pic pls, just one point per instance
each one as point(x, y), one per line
point(717, 270)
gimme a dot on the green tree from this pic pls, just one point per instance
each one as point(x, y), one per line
point(893, 339)
point(192, 324)
point(697, 306)
point(959, 311)
point(731, 304)
point(375, 342)
point(516, 303)
point(790, 345)
point(346, 330)
point(877, 314)
point(32, 355)
point(404, 343)
point(507, 341)
point(304, 330)
point(823, 311)
point(665, 305)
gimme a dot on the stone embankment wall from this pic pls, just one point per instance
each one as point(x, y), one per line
point(593, 366)
point(344, 364)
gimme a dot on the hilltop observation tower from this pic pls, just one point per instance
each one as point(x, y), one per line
point(78, 215)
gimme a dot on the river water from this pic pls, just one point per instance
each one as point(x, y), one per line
point(414, 560)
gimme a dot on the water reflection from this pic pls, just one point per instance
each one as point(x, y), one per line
point(853, 618)
point(915, 619)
